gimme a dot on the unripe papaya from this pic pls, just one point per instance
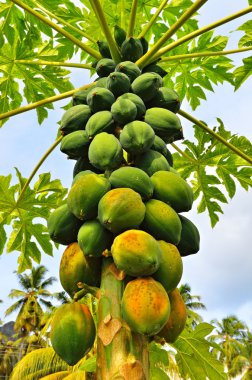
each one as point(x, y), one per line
point(81, 174)
point(151, 162)
point(146, 85)
point(155, 69)
point(145, 44)
point(101, 82)
point(190, 237)
point(177, 320)
point(72, 332)
point(80, 97)
point(105, 66)
point(160, 146)
point(119, 35)
point(84, 195)
point(100, 99)
point(145, 306)
point(170, 268)
point(133, 178)
point(83, 164)
point(172, 189)
point(104, 49)
point(75, 118)
point(162, 222)
point(121, 209)
point(141, 109)
point(101, 121)
point(75, 144)
point(136, 252)
point(118, 83)
point(123, 111)
point(75, 267)
point(105, 151)
point(131, 49)
point(63, 226)
point(166, 98)
point(93, 238)
point(129, 68)
point(164, 122)
point(137, 137)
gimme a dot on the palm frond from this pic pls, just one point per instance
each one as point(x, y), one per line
point(48, 282)
point(17, 305)
point(16, 293)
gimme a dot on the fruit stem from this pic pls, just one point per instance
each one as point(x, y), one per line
point(218, 137)
point(145, 59)
point(85, 289)
point(153, 19)
point(53, 63)
point(106, 30)
point(74, 40)
point(132, 19)
point(183, 153)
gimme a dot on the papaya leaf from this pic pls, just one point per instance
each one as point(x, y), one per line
point(242, 73)
point(88, 365)
point(159, 361)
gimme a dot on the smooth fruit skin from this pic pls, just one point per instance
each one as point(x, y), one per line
point(75, 144)
point(145, 306)
point(136, 252)
point(72, 332)
point(137, 137)
point(75, 118)
point(189, 243)
point(151, 162)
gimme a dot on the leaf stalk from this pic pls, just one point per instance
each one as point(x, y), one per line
point(53, 63)
point(153, 19)
point(132, 19)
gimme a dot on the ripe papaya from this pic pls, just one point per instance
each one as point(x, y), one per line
point(164, 122)
point(177, 320)
point(151, 161)
point(162, 222)
point(160, 146)
point(119, 35)
point(121, 209)
point(129, 68)
point(84, 195)
point(170, 268)
point(190, 237)
point(131, 49)
point(172, 189)
point(141, 109)
point(118, 83)
point(136, 252)
point(93, 238)
point(81, 174)
point(137, 137)
point(166, 98)
point(75, 118)
point(72, 332)
point(83, 164)
point(101, 121)
point(123, 111)
point(105, 151)
point(145, 306)
point(75, 267)
point(146, 85)
point(133, 178)
point(104, 49)
point(63, 226)
point(75, 144)
point(153, 68)
point(100, 99)
point(104, 67)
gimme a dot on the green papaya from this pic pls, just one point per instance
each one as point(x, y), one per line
point(129, 68)
point(75, 267)
point(146, 85)
point(101, 121)
point(101, 82)
point(141, 109)
point(75, 144)
point(174, 137)
point(190, 237)
point(164, 122)
point(172, 189)
point(119, 35)
point(104, 49)
point(160, 146)
point(63, 226)
point(104, 67)
point(83, 164)
point(145, 44)
point(105, 151)
point(131, 49)
point(162, 222)
point(123, 111)
point(72, 332)
point(133, 178)
point(137, 137)
point(93, 238)
point(151, 161)
point(100, 99)
point(166, 98)
point(75, 118)
point(152, 68)
point(136, 252)
point(118, 83)
point(121, 209)
point(81, 174)
point(84, 195)
point(80, 97)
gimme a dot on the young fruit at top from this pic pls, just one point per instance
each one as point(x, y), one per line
point(100, 99)
point(151, 162)
point(119, 35)
point(164, 122)
point(146, 85)
point(166, 98)
point(129, 68)
point(190, 237)
point(141, 109)
point(145, 306)
point(123, 111)
point(75, 118)
point(131, 49)
point(118, 83)
point(137, 137)
point(104, 49)
point(105, 66)
point(72, 332)
point(101, 121)
point(154, 69)
point(160, 146)
point(136, 252)
point(75, 144)
point(121, 209)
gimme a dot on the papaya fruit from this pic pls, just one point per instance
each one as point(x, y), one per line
point(170, 268)
point(146, 85)
point(121, 209)
point(75, 267)
point(100, 99)
point(101, 121)
point(145, 44)
point(118, 83)
point(164, 122)
point(80, 97)
point(93, 238)
point(103, 48)
point(131, 49)
point(83, 164)
point(189, 243)
point(177, 320)
point(153, 68)
point(63, 226)
point(136, 252)
point(151, 161)
point(162, 222)
point(129, 68)
point(104, 67)
point(75, 144)
point(119, 35)
point(160, 146)
point(172, 189)
point(166, 98)
point(123, 111)
point(75, 118)
point(101, 82)
point(141, 109)
point(145, 306)
point(81, 174)
point(72, 332)
point(84, 195)
point(105, 151)
point(133, 178)
point(137, 137)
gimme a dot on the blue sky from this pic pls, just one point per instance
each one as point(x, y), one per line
point(221, 271)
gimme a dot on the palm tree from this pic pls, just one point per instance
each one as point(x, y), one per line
point(192, 302)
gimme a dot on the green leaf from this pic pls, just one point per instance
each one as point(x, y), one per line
point(158, 374)
point(242, 73)
point(88, 365)
point(159, 361)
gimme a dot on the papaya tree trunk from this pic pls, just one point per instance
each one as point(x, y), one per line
point(120, 353)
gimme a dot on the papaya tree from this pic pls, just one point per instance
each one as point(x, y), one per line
point(133, 176)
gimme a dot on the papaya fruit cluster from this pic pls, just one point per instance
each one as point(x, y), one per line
point(126, 199)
